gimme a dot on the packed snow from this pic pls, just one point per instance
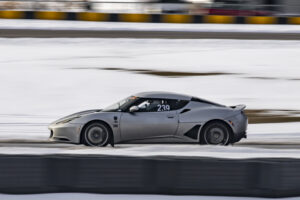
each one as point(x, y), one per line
point(146, 150)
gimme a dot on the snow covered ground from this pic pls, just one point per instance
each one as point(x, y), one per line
point(44, 79)
point(83, 25)
point(149, 150)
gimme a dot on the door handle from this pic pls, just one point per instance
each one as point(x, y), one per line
point(170, 116)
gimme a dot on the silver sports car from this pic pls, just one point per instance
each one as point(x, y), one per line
point(154, 117)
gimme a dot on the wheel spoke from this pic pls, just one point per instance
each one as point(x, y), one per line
point(216, 134)
point(96, 135)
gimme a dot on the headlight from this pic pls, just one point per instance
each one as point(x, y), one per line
point(67, 120)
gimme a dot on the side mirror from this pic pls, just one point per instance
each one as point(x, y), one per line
point(133, 109)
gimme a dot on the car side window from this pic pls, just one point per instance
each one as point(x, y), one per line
point(164, 105)
point(160, 105)
point(178, 104)
point(149, 105)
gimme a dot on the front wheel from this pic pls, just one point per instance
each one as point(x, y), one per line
point(216, 133)
point(96, 134)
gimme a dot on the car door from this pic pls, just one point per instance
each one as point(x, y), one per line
point(153, 119)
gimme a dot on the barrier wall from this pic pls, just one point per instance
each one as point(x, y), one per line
point(149, 175)
point(155, 18)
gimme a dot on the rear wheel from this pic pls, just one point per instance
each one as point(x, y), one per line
point(96, 134)
point(216, 133)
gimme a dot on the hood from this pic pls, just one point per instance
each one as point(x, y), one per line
point(85, 112)
point(78, 114)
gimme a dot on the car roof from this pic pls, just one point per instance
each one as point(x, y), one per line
point(163, 95)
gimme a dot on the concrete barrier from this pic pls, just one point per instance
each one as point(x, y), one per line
point(154, 18)
point(268, 177)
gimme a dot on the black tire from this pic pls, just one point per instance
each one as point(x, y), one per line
point(216, 133)
point(96, 134)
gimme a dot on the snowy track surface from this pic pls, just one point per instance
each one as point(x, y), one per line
point(238, 151)
point(44, 79)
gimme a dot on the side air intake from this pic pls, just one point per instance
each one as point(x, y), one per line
point(193, 132)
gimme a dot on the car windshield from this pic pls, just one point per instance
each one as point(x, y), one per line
point(121, 105)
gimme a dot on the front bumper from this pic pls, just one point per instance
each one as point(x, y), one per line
point(68, 132)
point(239, 136)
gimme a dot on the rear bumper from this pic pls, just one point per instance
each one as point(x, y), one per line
point(240, 125)
point(69, 133)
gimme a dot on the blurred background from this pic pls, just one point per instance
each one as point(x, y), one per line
point(50, 68)
point(59, 57)
point(215, 7)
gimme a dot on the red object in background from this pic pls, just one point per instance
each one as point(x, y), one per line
point(216, 11)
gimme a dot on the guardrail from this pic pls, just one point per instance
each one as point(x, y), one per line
point(154, 18)
point(25, 174)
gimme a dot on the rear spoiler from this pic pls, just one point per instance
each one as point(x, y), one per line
point(239, 107)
